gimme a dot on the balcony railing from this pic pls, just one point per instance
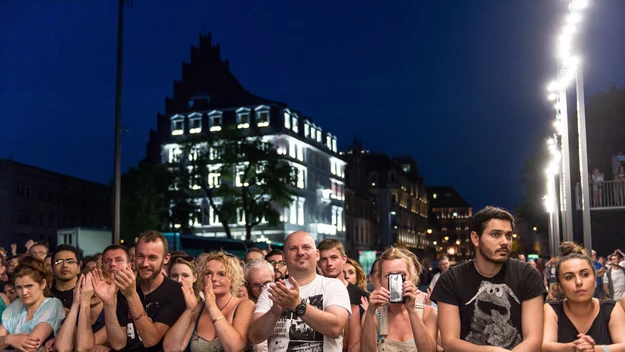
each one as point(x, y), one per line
point(604, 195)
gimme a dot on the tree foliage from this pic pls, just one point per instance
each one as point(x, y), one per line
point(242, 179)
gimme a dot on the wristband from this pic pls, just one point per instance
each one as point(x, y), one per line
point(140, 316)
point(604, 348)
point(218, 318)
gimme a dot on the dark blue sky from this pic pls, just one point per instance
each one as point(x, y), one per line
point(458, 85)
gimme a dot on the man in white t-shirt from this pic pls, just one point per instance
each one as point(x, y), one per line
point(306, 313)
point(614, 279)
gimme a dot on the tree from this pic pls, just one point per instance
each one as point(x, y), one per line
point(242, 179)
point(143, 199)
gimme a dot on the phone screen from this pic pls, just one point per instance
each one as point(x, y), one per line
point(395, 282)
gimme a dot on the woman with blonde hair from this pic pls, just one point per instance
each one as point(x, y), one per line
point(182, 269)
point(581, 322)
point(414, 326)
point(221, 322)
point(354, 274)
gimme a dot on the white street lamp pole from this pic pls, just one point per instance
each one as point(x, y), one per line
point(583, 157)
point(566, 207)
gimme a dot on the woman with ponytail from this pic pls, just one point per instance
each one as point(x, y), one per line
point(581, 322)
point(35, 315)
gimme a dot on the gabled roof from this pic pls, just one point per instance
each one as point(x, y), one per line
point(446, 197)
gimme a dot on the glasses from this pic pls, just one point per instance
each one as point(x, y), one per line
point(260, 286)
point(275, 263)
point(66, 261)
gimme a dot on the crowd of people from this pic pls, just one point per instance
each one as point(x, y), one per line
point(311, 297)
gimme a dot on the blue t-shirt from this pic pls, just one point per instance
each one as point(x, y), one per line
point(598, 266)
point(50, 311)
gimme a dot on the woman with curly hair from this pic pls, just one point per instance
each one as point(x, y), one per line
point(581, 322)
point(35, 314)
point(222, 321)
point(354, 274)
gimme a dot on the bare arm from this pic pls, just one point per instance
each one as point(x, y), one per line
point(115, 332)
point(424, 329)
point(65, 337)
point(329, 322)
point(233, 337)
point(85, 339)
point(617, 330)
point(263, 324)
point(354, 330)
point(178, 337)
point(449, 323)
point(606, 288)
point(531, 319)
point(550, 335)
point(151, 333)
point(369, 333)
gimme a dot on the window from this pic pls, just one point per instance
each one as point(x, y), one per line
point(195, 123)
point(293, 215)
point(293, 150)
point(313, 133)
point(262, 118)
point(177, 125)
point(319, 135)
point(300, 211)
point(295, 124)
point(240, 216)
point(333, 167)
point(194, 153)
point(174, 155)
point(287, 119)
point(214, 180)
point(213, 154)
point(240, 174)
point(301, 178)
point(306, 129)
point(300, 152)
point(329, 141)
point(243, 118)
point(339, 219)
point(214, 119)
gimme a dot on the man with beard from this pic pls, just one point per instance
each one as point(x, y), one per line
point(148, 304)
point(306, 313)
point(331, 260)
point(492, 303)
point(276, 259)
point(65, 267)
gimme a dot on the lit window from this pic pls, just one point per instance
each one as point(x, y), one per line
point(306, 129)
point(195, 123)
point(243, 119)
point(177, 125)
point(292, 150)
point(174, 155)
point(334, 145)
point(293, 215)
point(287, 120)
point(300, 152)
point(434, 195)
point(313, 133)
point(295, 124)
point(215, 121)
point(300, 212)
point(329, 141)
point(333, 167)
point(262, 118)
point(214, 180)
point(301, 178)
point(193, 153)
point(319, 135)
point(240, 216)
point(239, 176)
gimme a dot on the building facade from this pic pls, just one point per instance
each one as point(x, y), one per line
point(207, 100)
point(34, 203)
point(450, 220)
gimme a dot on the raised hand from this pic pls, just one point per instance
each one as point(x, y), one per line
point(378, 298)
point(410, 294)
point(364, 302)
point(209, 294)
point(77, 290)
point(105, 292)
point(13, 248)
point(189, 297)
point(87, 290)
point(126, 282)
point(427, 299)
point(285, 297)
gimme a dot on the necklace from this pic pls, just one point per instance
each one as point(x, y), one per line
point(224, 306)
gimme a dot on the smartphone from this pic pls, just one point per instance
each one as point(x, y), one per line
point(395, 282)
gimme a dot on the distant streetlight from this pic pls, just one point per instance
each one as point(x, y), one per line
point(514, 235)
point(429, 231)
point(535, 228)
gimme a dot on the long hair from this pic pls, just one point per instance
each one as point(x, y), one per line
point(361, 278)
point(190, 262)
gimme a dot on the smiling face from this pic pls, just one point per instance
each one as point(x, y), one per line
point(495, 242)
point(301, 254)
point(216, 274)
point(182, 273)
point(577, 279)
point(150, 259)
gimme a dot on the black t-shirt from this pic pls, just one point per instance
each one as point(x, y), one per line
point(490, 308)
point(163, 305)
point(599, 330)
point(66, 297)
point(355, 293)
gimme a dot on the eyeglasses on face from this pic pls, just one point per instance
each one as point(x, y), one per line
point(66, 261)
point(275, 263)
point(260, 286)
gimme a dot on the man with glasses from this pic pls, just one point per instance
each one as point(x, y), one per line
point(614, 278)
point(276, 259)
point(258, 274)
point(66, 267)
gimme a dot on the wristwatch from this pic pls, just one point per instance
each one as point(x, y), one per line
point(301, 308)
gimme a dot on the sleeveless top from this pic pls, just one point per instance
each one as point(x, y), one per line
point(200, 344)
point(599, 330)
point(386, 345)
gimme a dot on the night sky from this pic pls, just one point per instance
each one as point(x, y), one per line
point(458, 85)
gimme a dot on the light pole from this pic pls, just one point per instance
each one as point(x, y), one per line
point(583, 157)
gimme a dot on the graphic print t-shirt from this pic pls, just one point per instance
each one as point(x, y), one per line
point(291, 333)
point(163, 305)
point(490, 308)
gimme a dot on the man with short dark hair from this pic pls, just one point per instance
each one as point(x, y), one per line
point(115, 258)
point(614, 279)
point(332, 258)
point(66, 268)
point(443, 265)
point(276, 259)
point(492, 303)
point(148, 304)
point(254, 253)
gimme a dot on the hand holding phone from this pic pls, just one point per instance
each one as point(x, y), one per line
point(395, 282)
